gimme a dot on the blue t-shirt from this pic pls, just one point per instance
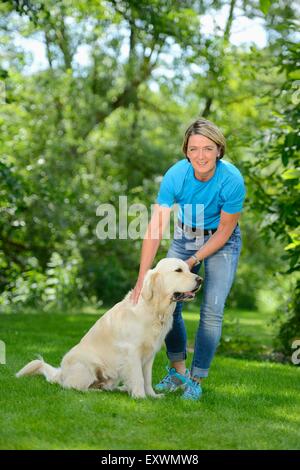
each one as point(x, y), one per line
point(200, 202)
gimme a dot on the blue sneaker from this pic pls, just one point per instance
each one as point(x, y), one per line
point(192, 391)
point(172, 381)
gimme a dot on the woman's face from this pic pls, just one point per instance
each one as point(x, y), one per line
point(203, 153)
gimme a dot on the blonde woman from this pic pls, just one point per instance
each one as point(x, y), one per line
point(213, 191)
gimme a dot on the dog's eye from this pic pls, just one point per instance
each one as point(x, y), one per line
point(179, 270)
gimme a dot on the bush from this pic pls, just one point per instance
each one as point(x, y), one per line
point(58, 287)
point(289, 329)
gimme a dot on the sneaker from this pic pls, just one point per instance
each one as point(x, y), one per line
point(192, 391)
point(172, 381)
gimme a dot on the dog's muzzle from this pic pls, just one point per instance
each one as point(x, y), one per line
point(189, 295)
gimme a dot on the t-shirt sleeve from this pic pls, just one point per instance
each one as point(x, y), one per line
point(233, 196)
point(166, 194)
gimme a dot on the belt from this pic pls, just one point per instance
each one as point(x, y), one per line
point(196, 230)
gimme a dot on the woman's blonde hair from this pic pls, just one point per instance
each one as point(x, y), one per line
point(208, 129)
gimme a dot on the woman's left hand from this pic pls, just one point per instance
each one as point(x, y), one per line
point(190, 262)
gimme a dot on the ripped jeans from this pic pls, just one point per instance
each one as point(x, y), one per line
point(219, 272)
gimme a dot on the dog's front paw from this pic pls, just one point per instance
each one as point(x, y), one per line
point(138, 394)
point(157, 395)
point(152, 394)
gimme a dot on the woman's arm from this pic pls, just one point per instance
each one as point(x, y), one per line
point(218, 239)
point(151, 242)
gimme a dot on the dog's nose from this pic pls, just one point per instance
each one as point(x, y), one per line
point(199, 280)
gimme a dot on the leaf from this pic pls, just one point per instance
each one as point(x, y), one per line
point(291, 174)
point(52, 281)
point(285, 158)
point(290, 246)
point(294, 74)
point(264, 5)
point(50, 291)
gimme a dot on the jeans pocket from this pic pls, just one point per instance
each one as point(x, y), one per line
point(233, 244)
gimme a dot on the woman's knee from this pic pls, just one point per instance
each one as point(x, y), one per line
point(212, 314)
point(177, 315)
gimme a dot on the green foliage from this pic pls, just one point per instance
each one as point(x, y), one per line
point(289, 329)
point(265, 5)
point(279, 202)
point(279, 161)
point(75, 136)
point(60, 286)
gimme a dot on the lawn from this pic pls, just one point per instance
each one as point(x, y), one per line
point(246, 404)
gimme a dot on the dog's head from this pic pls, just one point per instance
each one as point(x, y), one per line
point(171, 279)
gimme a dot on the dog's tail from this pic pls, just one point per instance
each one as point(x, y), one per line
point(40, 367)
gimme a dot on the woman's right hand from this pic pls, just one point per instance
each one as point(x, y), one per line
point(135, 294)
point(152, 239)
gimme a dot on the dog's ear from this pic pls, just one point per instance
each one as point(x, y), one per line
point(150, 284)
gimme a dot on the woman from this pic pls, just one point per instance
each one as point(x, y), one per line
point(200, 181)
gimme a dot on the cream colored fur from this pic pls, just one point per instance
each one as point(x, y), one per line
point(121, 346)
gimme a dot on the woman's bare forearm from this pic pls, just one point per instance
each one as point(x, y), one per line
point(152, 239)
point(218, 239)
point(215, 242)
point(149, 250)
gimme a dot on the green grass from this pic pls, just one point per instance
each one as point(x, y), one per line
point(246, 404)
point(244, 332)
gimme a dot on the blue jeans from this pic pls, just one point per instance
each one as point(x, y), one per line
point(219, 271)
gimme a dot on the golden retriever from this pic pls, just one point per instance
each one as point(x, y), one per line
point(121, 346)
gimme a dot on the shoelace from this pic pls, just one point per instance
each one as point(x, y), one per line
point(171, 379)
point(192, 387)
point(168, 378)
